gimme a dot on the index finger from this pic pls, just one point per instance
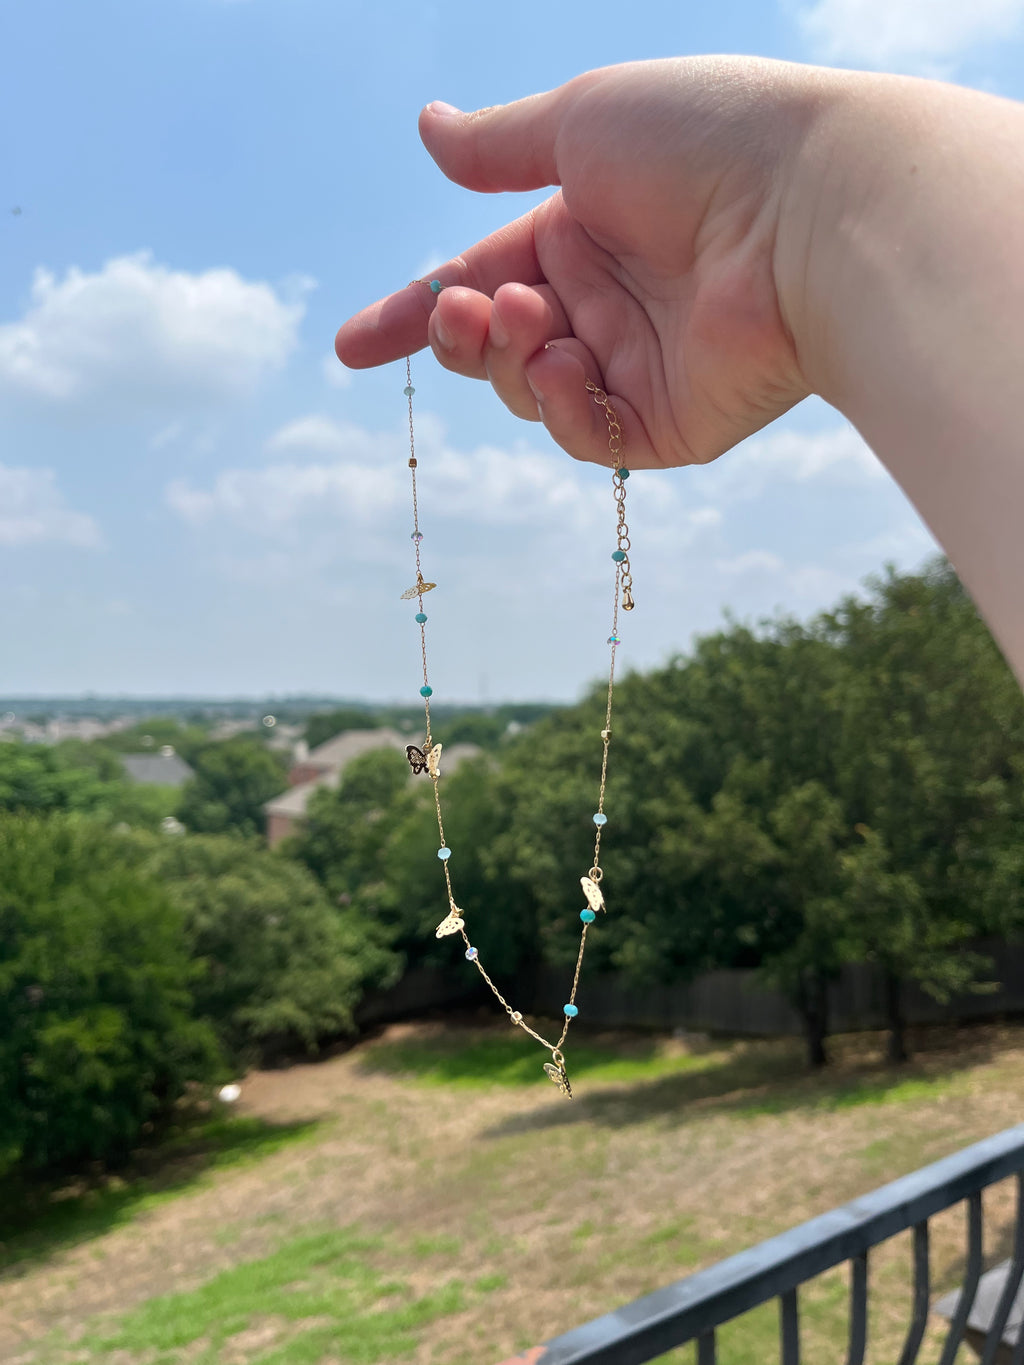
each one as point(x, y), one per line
point(397, 325)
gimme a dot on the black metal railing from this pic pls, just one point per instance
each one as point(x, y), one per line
point(692, 1309)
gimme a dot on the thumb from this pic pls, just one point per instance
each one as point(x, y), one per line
point(506, 147)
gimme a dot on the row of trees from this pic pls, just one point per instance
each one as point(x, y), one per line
point(789, 799)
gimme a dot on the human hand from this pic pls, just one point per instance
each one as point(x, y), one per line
point(654, 270)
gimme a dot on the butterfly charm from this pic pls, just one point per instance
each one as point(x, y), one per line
point(421, 586)
point(452, 923)
point(557, 1074)
point(593, 893)
point(424, 758)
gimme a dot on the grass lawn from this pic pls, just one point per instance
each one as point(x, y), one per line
point(428, 1197)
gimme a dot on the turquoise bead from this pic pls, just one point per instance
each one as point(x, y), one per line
point(408, 390)
point(426, 691)
point(436, 286)
point(618, 556)
point(570, 1011)
point(623, 473)
point(444, 854)
point(600, 819)
point(587, 916)
point(421, 616)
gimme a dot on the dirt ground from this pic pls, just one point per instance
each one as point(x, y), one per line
point(553, 1195)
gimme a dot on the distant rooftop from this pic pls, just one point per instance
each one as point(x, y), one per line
point(159, 770)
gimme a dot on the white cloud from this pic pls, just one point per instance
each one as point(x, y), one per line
point(751, 561)
point(335, 493)
point(138, 335)
point(285, 500)
point(833, 457)
point(33, 512)
point(915, 35)
point(338, 496)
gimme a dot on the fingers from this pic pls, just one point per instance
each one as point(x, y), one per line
point(506, 147)
point(558, 378)
point(397, 325)
point(522, 321)
point(481, 339)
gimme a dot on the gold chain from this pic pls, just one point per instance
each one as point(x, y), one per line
point(428, 758)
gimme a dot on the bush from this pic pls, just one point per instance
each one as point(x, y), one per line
point(233, 779)
point(96, 1032)
point(281, 967)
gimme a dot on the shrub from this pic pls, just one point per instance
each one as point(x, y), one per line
point(282, 968)
point(96, 1031)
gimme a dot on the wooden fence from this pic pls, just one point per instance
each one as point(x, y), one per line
point(730, 1002)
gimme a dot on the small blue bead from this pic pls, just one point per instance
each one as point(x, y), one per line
point(600, 819)
point(436, 286)
point(587, 916)
point(472, 954)
point(623, 473)
point(408, 390)
point(570, 1011)
point(618, 556)
point(426, 691)
point(444, 854)
point(421, 616)
point(615, 639)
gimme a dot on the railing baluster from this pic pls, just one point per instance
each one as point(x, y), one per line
point(970, 1285)
point(1013, 1277)
point(858, 1309)
point(789, 1328)
point(922, 1295)
point(693, 1308)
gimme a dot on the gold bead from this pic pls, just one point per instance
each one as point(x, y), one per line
point(516, 1017)
point(606, 734)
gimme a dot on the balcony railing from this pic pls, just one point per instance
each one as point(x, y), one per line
point(692, 1309)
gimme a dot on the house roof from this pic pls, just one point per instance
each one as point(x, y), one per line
point(294, 801)
point(160, 770)
point(340, 749)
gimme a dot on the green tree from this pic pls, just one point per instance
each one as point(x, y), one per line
point(929, 764)
point(97, 1036)
point(282, 969)
point(233, 780)
point(150, 734)
point(343, 835)
point(73, 776)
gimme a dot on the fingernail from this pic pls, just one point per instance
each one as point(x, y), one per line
point(496, 333)
point(443, 110)
point(537, 393)
point(442, 336)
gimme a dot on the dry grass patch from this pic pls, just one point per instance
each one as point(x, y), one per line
point(501, 1214)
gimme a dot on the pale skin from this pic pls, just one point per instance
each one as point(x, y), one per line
point(731, 235)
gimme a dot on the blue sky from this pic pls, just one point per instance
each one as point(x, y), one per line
point(194, 497)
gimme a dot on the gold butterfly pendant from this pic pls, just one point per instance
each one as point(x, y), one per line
point(593, 893)
point(430, 759)
point(558, 1076)
point(421, 586)
point(452, 923)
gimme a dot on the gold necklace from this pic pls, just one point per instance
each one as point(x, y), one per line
point(428, 758)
